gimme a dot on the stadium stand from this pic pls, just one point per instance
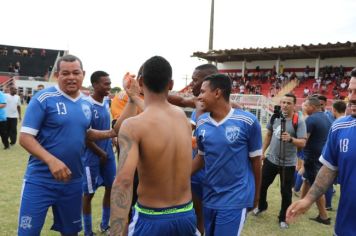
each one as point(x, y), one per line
point(31, 62)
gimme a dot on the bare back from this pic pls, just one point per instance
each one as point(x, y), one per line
point(165, 162)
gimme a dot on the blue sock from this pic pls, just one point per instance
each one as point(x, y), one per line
point(105, 217)
point(87, 224)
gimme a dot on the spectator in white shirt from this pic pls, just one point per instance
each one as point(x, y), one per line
point(13, 112)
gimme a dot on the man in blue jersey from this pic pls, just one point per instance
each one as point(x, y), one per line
point(98, 158)
point(323, 102)
point(53, 132)
point(3, 127)
point(198, 76)
point(230, 148)
point(339, 159)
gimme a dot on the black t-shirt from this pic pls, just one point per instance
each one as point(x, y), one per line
point(318, 126)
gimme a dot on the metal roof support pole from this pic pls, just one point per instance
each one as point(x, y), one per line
point(317, 67)
point(211, 33)
point(243, 67)
point(277, 65)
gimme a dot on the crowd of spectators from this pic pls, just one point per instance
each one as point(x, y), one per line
point(330, 77)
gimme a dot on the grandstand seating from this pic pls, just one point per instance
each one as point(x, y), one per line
point(35, 65)
point(4, 79)
point(299, 90)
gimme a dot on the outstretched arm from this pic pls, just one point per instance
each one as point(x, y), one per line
point(97, 150)
point(322, 182)
point(121, 193)
point(181, 101)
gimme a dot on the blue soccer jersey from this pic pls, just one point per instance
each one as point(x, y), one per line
point(339, 155)
point(2, 110)
point(59, 123)
point(226, 147)
point(100, 121)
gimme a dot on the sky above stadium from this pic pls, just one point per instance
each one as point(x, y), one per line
point(118, 36)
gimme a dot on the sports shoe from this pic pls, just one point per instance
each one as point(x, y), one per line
point(329, 208)
point(105, 231)
point(283, 225)
point(90, 234)
point(321, 221)
point(257, 211)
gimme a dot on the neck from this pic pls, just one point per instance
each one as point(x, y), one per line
point(154, 98)
point(338, 115)
point(72, 95)
point(289, 115)
point(98, 97)
point(221, 111)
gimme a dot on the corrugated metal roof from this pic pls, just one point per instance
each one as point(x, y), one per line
point(329, 50)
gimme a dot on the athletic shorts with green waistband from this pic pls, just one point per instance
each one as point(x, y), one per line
point(173, 221)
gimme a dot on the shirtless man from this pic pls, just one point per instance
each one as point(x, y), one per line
point(162, 156)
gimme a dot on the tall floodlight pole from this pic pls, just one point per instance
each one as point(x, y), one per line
point(211, 35)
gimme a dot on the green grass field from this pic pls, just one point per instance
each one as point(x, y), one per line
point(13, 164)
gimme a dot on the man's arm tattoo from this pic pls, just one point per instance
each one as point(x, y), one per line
point(121, 193)
point(121, 197)
point(322, 182)
point(125, 144)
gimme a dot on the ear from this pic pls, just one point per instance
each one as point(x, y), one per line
point(140, 81)
point(218, 93)
point(170, 84)
point(83, 74)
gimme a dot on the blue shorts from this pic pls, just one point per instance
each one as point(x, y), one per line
point(101, 175)
point(173, 221)
point(224, 222)
point(66, 203)
point(311, 170)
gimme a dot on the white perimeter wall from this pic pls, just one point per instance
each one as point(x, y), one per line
point(30, 85)
point(297, 63)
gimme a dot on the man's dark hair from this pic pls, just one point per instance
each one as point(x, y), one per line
point(323, 98)
point(157, 73)
point(209, 68)
point(139, 73)
point(353, 72)
point(68, 58)
point(292, 96)
point(95, 77)
point(222, 82)
point(314, 101)
point(339, 106)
